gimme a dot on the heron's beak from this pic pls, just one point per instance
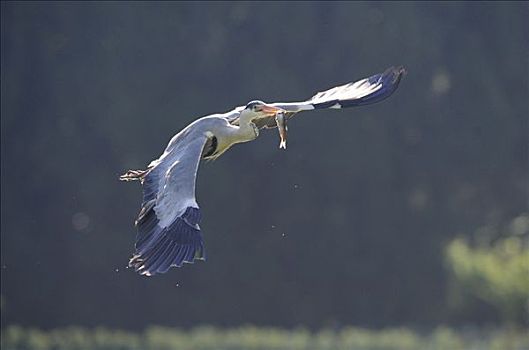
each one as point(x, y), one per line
point(271, 110)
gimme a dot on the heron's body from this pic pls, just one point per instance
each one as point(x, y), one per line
point(219, 135)
point(168, 231)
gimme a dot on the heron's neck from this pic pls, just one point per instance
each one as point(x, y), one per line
point(247, 130)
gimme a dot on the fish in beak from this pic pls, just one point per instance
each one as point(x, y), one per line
point(281, 122)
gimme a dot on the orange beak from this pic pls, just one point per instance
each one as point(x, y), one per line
point(271, 110)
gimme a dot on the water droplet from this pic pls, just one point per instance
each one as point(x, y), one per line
point(273, 226)
point(178, 284)
point(284, 234)
point(117, 270)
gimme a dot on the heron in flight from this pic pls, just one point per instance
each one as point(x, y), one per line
point(168, 222)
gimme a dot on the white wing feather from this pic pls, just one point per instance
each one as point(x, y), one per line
point(176, 180)
point(176, 188)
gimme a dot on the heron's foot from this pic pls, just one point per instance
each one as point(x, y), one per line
point(283, 144)
point(133, 175)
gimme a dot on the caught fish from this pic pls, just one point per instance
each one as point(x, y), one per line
point(281, 122)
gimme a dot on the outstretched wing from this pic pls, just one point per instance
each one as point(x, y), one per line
point(168, 231)
point(363, 92)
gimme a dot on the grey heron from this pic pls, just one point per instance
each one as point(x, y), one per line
point(168, 222)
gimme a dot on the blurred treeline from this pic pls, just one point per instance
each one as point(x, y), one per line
point(248, 337)
point(347, 227)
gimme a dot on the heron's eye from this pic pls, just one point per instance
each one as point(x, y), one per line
point(254, 105)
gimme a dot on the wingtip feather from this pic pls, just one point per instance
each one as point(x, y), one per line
point(158, 249)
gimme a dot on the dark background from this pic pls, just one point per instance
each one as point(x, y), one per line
point(348, 226)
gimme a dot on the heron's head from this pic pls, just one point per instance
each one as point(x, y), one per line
point(259, 108)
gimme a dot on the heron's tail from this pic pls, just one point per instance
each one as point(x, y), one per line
point(133, 175)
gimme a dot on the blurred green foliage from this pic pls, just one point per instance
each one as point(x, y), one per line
point(252, 338)
point(497, 274)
